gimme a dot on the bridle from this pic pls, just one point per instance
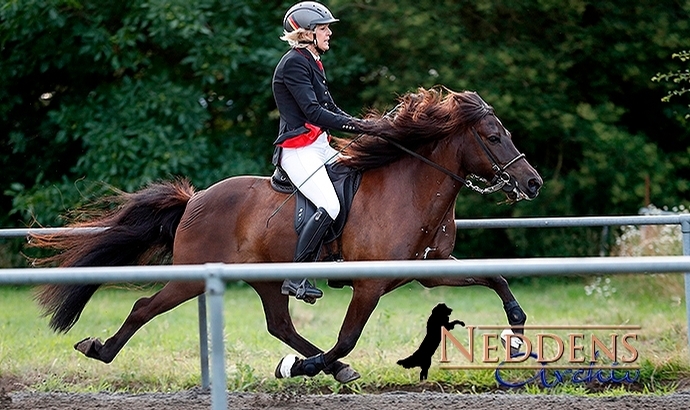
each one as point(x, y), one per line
point(502, 180)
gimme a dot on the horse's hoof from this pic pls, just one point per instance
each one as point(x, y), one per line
point(284, 368)
point(346, 375)
point(515, 341)
point(88, 347)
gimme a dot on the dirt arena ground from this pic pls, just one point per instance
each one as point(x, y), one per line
point(198, 399)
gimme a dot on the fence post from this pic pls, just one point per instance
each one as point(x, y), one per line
point(685, 228)
point(215, 288)
point(203, 342)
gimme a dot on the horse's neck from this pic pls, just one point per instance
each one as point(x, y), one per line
point(440, 185)
point(433, 192)
point(406, 208)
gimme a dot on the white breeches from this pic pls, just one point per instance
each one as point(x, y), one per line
point(305, 168)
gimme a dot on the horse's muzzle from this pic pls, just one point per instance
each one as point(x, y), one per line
point(515, 193)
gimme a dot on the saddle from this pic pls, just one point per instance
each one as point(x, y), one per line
point(345, 180)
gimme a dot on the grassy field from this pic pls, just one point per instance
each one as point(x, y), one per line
point(163, 356)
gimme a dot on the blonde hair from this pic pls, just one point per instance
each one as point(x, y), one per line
point(300, 38)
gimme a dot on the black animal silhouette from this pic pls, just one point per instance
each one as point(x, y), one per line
point(440, 316)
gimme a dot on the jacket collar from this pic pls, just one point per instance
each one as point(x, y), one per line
point(312, 61)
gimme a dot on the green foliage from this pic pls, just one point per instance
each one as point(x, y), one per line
point(95, 95)
point(125, 94)
point(569, 79)
point(679, 77)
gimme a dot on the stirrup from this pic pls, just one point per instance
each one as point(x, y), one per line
point(302, 290)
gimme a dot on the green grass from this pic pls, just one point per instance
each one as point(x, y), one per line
point(163, 356)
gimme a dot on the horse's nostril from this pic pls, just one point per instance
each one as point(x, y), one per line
point(534, 185)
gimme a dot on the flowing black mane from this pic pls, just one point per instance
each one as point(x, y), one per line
point(419, 119)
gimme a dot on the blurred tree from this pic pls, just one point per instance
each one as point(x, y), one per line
point(569, 79)
point(97, 95)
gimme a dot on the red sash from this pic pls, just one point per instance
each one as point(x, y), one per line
point(303, 140)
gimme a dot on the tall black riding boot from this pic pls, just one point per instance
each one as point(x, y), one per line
point(308, 246)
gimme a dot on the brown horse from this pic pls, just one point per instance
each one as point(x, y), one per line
point(413, 170)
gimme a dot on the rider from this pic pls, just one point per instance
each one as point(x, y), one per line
point(307, 112)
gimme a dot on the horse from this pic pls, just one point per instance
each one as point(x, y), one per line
point(414, 161)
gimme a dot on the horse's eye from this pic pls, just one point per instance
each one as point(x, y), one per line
point(494, 139)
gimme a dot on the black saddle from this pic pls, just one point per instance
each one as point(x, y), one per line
point(345, 181)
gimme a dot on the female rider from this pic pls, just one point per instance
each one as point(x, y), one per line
point(307, 112)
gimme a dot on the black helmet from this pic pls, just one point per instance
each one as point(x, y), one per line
point(307, 15)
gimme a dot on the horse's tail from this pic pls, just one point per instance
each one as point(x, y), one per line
point(140, 230)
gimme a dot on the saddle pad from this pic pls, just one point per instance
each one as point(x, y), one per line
point(345, 180)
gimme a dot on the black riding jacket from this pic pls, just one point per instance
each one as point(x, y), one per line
point(301, 93)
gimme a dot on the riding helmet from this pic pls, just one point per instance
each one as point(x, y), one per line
point(307, 15)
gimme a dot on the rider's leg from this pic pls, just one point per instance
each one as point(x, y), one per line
point(305, 168)
point(308, 245)
point(310, 240)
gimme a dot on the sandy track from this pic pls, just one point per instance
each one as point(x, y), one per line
point(198, 399)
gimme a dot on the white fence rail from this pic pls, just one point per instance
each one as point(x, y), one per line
point(572, 222)
point(216, 275)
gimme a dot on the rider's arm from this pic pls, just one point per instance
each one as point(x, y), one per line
point(325, 114)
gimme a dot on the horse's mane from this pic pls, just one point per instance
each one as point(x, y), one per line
point(419, 119)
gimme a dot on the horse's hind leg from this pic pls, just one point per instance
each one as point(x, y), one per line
point(144, 309)
point(279, 324)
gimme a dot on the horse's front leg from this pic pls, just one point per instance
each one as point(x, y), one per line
point(144, 309)
point(279, 324)
point(365, 297)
